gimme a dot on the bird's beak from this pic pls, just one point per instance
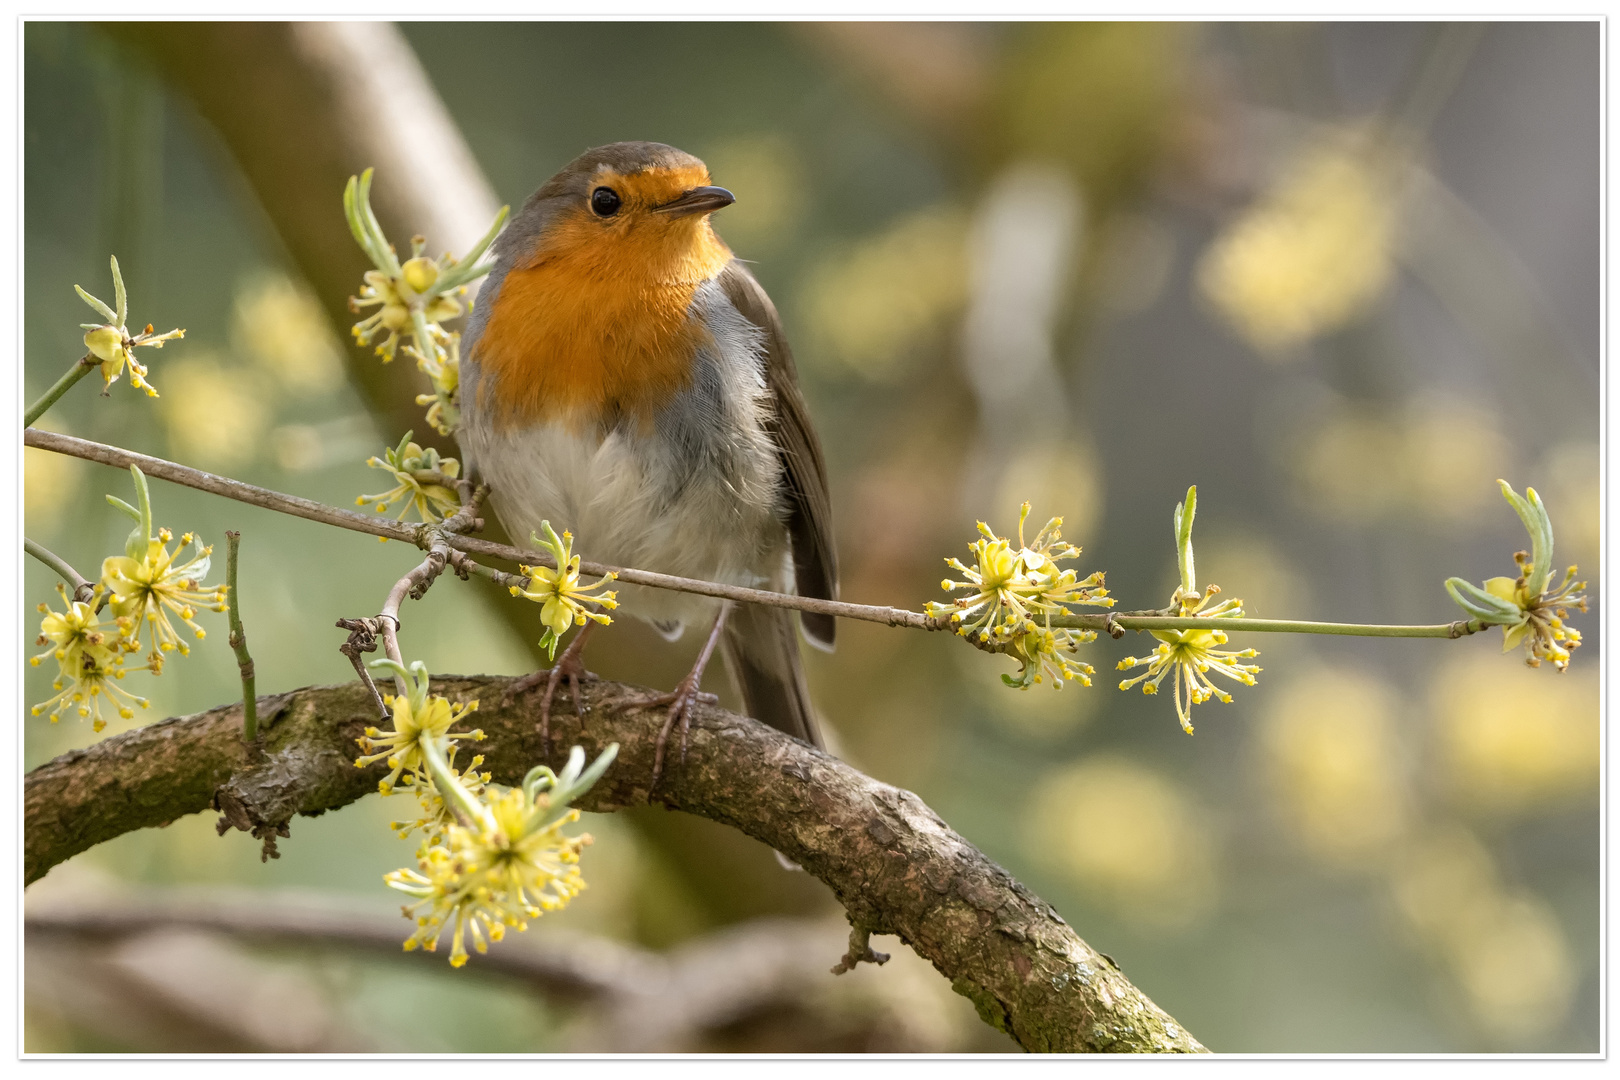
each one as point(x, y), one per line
point(699, 200)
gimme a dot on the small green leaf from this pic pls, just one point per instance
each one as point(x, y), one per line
point(120, 299)
point(1481, 604)
point(1184, 551)
point(468, 269)
point(101, 309)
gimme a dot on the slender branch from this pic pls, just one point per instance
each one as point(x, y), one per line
point(238, 641)
point(893, 864)
point(423, 535)
point(83, 590)
point(1460, 628)
point(412, 534)
point(81, 367)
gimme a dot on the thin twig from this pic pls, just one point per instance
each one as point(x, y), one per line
point(888, 616)
point(1460, 628)
point(81, 367)
point(83, 590)
point(238, 641)
point(363, 639)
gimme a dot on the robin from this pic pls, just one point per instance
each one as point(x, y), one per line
point(625, 377)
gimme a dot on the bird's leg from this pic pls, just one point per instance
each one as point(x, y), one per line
point(685, 697)
point(568, 664)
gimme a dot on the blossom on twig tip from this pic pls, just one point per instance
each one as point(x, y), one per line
point(113, 344)
point(1530, 610)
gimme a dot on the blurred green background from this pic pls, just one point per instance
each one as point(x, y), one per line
point(1341, 276)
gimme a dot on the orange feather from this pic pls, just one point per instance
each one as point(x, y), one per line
point(597, 321)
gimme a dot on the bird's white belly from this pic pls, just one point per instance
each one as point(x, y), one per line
point(695, 491)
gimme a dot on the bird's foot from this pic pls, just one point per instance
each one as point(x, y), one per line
point(568, 666)
point(681, 701)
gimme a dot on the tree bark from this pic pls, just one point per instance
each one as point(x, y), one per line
point(890, 861)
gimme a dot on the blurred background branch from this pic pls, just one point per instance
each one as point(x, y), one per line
point(207, 961)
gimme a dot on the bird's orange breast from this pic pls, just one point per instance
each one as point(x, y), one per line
point(597, 323)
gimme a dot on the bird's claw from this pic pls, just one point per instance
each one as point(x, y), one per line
point(681, 701)
point(569, 666)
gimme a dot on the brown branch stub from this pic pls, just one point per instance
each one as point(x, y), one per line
point(892, 863)
point(362, 639)
point(860, 951)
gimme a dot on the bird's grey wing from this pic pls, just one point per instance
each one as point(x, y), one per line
point(815, 559)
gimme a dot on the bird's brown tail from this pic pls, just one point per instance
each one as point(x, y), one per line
point(762, 651)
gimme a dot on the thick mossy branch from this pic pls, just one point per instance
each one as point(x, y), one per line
point(890, 860)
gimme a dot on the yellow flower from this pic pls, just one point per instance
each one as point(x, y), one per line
point(506, 862)
point(146, 589)
point(400, 292)
point(1015, 593)
point(1529, 609)
point(437, 815)
point(113, 344)
point(418, 718)
point(1192, 654)
point(90, 660)
point(413, 468)
point(561, 597)
point(444, 372)
point(148, 582)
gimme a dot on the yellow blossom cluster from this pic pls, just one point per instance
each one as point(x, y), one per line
point(412, 300)
point(147, 588)
point(90, 661)
point(1190, 655)
point(563, 601)
point(421, 476)
point(493, 857)
point(419, 718)
point(142, 588)
point(1013, 594)
point(499, 873)
point(1530, 610)
point(113, 344)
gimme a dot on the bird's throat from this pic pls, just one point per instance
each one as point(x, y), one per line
point(592, 330)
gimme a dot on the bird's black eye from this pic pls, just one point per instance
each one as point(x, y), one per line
point(605, 201)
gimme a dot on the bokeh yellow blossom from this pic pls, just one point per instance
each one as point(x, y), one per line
point(1505, 948)
point(871, 306)
point(215, 414)
point(1332, 760)
point(1511, 743)
point(1314, 252)
point(1128, 837)
point(281, 326)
